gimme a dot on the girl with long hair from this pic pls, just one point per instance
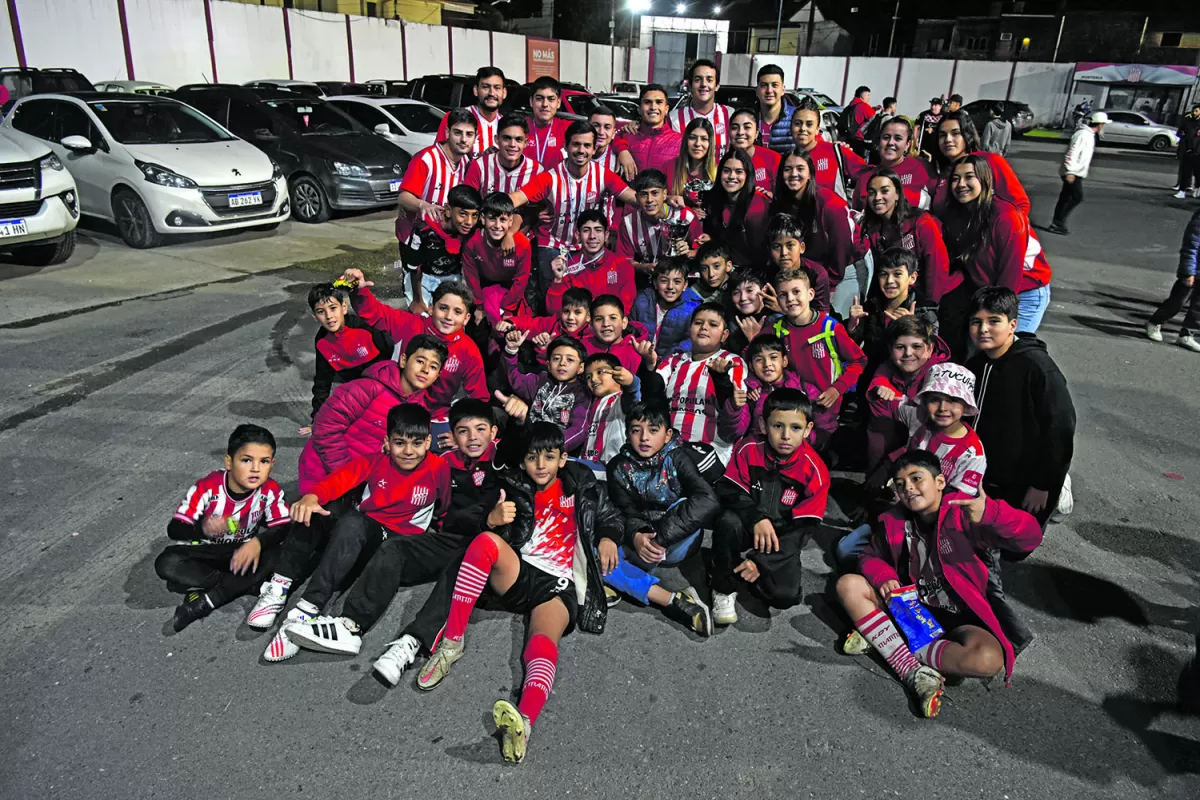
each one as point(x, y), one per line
point(829, 230)
point(956, 139)
point(693, 172)
point(736, 213)
point(993, 241)
point(834, 163)
point(889, 221)
point(917, 176)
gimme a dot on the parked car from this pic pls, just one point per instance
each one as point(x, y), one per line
point(154, 166)
point(411, 124)
point(625, 109)
point(39, 204)
point(1133, 127)
point(628, 89)
point(307, 88)
point(826, 102)
point(456, 91)
point(388, 88)
point(340, 88)
point(24, 81)
point(1019, 114)
point(330, 161)
point(134, 87)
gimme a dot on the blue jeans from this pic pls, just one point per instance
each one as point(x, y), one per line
point(855, 282)
point(1032, 307)
point(633, 577)
point(850, 547)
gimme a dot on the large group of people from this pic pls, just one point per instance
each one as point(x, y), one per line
point(621, 341)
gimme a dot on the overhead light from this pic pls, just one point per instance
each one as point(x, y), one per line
point(716, 9)
point(680, 8)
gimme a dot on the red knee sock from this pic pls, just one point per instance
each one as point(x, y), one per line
point(931, 654)
point(878, 629)
point(541, 660)
point(472, 577)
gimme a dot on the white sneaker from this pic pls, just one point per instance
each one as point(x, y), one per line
point(281, 648)
point(272, 597)
point(1196, 192)
point(1066, 502)
point(1189, 342)
point(327, 635)
point(1180, 195)
point(1153, 332)
point(397, 658)
point(724, 608)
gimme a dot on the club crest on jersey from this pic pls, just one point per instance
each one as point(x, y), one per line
point(822, 164)
point(566, 501)
point(818, 350)
point(789, 497)
point(908, 242)
point(478, 476)
point(760, 174)
point(720, 128)
point(420, 495)
point(564, 416)
point(612, 278)
point(361, 351)
point(510, 262)
point(592, 197)
point(452, 364)
point(906, 179)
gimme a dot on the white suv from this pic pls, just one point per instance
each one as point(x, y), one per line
point(155, 166)
point(39, 206)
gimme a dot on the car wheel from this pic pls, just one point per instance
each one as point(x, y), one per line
point(48, 254)
point(1160, 143)
point(308, 200)
point(133, 221)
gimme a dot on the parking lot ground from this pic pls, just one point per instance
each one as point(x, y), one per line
point(110, 415)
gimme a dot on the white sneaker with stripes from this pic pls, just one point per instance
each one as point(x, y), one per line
point(281, 648)
point(272, 597)
point(327, 635)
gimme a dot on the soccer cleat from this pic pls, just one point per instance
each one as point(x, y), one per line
point(514, 729)
point(1181, 195)
point(724, 608)
point(397, 658)
point(272, 597)
point(611, 597)
point(690, 609)
point(327, 635)
point(855, 645)
point(438, 666)
point(281, 648)
point(195, 606)
point(1188, 342)
point(1153, 332)
point(927, 683)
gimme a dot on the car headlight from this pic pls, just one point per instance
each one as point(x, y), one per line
point(276, 171)
point(164, 177)
point(51, 162)
point(350, 170)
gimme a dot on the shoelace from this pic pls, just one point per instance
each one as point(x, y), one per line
point(408, 647)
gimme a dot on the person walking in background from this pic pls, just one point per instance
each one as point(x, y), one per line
point(954, 103)
point(926, 125)
point(1189, 154)
point(997, 134)
point(1184, 290)
point(1181, 178)
point(1074, 170)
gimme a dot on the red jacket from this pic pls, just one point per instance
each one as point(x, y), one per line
point(353, 422)
point(405, 503)
point(822, 353)
point(546, 145)
point(828, 160)
point(957, 546)
point(831, 242)
point(651, 148)
point(922, 234)
point(1006, 185)
point(607, 274)
point(463, 368)
point(916, 176)
point(862, 115)
point(1010, 255)
point(622, 348)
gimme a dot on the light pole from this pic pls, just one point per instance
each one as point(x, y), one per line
point(636, 7)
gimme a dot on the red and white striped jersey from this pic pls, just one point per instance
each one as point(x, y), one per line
point(642, 238)
point(604, 429)
point(487, 174)
point(551, 548)
point(608, 160)
point(693, 397)
point(486, 133)
point(210, 497)
point(569, 197)
point(431, 175)
point(963, 460)
point(719, 117)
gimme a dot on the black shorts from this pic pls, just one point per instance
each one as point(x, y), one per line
point(534, 587)
point(950, 620)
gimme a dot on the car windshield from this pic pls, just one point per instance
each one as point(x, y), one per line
point(415, 117)
point(156, 122)
point(313, 116)
point(823, 99)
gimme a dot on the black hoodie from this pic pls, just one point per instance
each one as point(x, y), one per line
point(1026, 420)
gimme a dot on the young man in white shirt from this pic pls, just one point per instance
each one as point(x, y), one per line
point(1074, 170)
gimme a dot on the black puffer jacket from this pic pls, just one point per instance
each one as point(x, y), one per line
point(595, 519)
point(666, 493)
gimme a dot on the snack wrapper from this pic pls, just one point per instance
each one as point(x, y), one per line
point(913, 619)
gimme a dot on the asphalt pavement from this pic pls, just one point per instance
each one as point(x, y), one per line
point(118, 397)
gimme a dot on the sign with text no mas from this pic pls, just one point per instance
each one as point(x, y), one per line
point(541, 58)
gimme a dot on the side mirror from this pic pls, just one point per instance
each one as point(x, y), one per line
point(264, 135)
point(383, 130)
point(77, 144)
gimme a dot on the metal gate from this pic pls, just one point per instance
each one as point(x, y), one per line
point(675, 51)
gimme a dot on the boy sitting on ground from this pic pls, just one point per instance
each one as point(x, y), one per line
point(665, 308)
point(345, 344)
point(433, 252)
point(496, 277)
point(227, 529)
point(773, 493)
point(529, 562)
point(931, 539)
point(404, 497)
point(660, 488)
point(556, 395)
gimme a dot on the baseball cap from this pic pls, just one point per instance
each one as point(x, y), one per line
point(1099, 118)
point(955, 97)
point(938, 100)
point(953, 380)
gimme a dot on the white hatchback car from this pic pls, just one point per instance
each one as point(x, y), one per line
point(412, 124)
point(39, 206)
point(155, 166)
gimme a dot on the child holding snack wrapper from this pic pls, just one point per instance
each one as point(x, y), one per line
point(929, 543)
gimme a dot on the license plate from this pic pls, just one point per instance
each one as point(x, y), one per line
point(13, 227)
point(245, 199)
point(394, 186)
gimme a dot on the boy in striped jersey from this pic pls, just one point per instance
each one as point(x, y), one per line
point(490, 93)
point(703, 386)
point(703, 81)
point(655, 227)
point(226, 528)
point(612, 391)
point(508, 167)
point(434, 249)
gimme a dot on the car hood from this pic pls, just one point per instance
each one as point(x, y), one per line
point(368, 149)
point(16, 147)
point(209, 163)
